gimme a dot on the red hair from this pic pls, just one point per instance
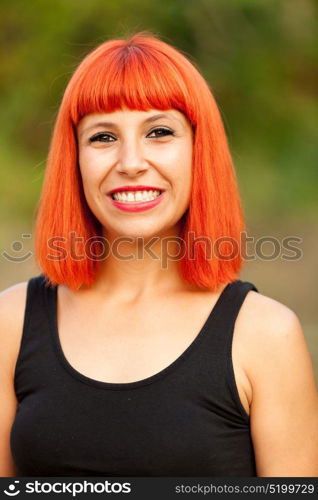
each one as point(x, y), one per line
point(141, 73)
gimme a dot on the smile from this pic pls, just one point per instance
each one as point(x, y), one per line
point(137, 201)
point(134, 196)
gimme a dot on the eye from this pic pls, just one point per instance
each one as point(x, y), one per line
point(102, 137)
point(160, 132)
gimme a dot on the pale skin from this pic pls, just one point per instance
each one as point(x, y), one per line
point(272, 365)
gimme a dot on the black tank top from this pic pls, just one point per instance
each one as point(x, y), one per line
point(186, 420)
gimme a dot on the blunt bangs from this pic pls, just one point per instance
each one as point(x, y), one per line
point(128, 76)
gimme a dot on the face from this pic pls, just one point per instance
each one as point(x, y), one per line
point(147, 150)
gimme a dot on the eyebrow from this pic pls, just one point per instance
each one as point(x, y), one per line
point(147, 120)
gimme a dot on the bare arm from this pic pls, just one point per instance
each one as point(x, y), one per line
point(284, 408)
point(12, 305)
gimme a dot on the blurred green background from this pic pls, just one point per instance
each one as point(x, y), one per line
point(260, 59)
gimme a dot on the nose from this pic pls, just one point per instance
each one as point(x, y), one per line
point(131, 159)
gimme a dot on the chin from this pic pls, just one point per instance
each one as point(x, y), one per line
point(133, 231)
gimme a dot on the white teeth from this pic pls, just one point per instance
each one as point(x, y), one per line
point(132, 196)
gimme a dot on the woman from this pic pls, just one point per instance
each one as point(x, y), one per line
point(142, 353)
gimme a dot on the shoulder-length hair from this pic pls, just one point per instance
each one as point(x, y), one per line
point(140, 73)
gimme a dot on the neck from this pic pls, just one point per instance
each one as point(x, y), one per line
point(138, 267)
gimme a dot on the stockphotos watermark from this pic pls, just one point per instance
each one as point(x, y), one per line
point(74, 488)
point(98, 248)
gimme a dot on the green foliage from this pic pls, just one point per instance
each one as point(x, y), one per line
point(259, 58)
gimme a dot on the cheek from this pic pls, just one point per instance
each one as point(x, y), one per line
point(177, 158)
point(179, 173)
point(186, 166)
point(90, 168)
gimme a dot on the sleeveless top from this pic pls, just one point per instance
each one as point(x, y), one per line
point(186, 420)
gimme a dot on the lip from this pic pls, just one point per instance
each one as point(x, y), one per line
point(134, 188)
point(137, 206)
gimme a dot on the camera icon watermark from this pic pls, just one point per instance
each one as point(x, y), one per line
point(12, 489)
point(17, 247)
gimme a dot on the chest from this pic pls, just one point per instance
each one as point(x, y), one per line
point(124, 344)
point(173, 428)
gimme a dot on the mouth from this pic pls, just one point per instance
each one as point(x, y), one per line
point(135, 195)
point(135, 202)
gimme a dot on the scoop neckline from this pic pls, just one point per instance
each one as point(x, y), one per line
point(52, 306)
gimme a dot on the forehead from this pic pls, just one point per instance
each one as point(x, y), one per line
point(126, 116)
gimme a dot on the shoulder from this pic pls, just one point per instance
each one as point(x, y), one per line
point(267, 322)
point(12, 308)
point(272, 336)
point(267, 315)
point(12, 298)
